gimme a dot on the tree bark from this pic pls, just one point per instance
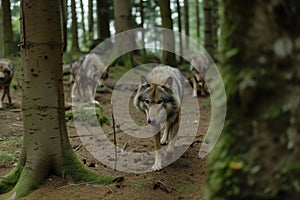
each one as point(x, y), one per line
point(1, 34)
point(168, 57)
point(186, 22)
point(83, 22)
point(103, 19)
point(7, 28)
point(257, 156)
point(179, 30)
point(64, 11)
point(208, 32)
point(198, 20)
point(91, 20)
point(75, 44)
point(122, 21)
point(46, 148)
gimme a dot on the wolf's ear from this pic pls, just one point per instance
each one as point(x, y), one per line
point(144, 80)
point(169, 82)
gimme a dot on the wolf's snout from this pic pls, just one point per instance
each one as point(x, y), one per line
point(151, 121)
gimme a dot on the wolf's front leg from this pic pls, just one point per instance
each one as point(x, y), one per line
point(158, 158)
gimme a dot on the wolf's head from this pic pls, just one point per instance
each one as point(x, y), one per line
point(6, 71)
point(156, 100)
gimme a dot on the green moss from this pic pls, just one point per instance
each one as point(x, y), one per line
point(10, 180)
point(88, 116)
point(74, 168)
point(26, 184)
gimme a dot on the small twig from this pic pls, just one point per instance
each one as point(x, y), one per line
point(77, 148)
point(17, 125)
point(124, 146)
point(115, 137)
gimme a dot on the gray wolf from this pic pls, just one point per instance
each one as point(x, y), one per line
point(199, 66)
point(91, 73)
point(159, 96)
point(6, 76)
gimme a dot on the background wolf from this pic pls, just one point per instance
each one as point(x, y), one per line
point(160, 96)
point(6, 76)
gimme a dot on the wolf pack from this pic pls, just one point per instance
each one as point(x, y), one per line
point(159, 94)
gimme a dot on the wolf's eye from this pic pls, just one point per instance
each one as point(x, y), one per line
point(160, 101)
point(147, 101)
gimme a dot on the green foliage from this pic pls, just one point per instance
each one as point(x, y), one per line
point(88, 116)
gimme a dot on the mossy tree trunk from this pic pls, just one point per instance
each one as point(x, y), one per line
point(7, 28)
point(168, 57)
point(82, 23)
point(257, 156)
point(46, 148)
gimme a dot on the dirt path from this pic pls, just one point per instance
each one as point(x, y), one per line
point(182, 179)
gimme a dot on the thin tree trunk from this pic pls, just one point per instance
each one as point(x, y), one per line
point(1, 34)
point(198, 20)
point(75, 44)
point(7, 28)
point(64, 11)
point(83, 22)
point(91, 20)
point(257, 156)
point(208, 29)
point(142, 24)
point(180, 30)
point(103, 19)
point(122, 21)
point(186, 22)
point(168, 57)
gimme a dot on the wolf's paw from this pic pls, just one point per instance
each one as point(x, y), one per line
point(195, 95)
point(95, 102)
point(163, 141)
point(156, 167)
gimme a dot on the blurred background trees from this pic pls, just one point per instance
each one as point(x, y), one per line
point(85, 23)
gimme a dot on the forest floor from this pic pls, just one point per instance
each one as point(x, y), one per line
point(182, 179)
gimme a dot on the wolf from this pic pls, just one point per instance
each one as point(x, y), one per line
point(6, 76)
point(159, 96)
point(199, 66)
point(91, 73)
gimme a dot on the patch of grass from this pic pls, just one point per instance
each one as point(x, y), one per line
point(10, 151)
point(88, 116)
point(139, 185)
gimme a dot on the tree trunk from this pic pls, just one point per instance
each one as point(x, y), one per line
point(75, 44)
point(186, 22)
point(215, 27)
point(168, 57)
point(103, 19)
point(91, 20)
point(179, 30)
point(64, 11)
point(198, 21)
point(142, 24)
point(7, 28)
point(122, 21)
point(208, 32)
point(83, 22)
point(257, 156)
point(46, 148)
point(1, 34)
